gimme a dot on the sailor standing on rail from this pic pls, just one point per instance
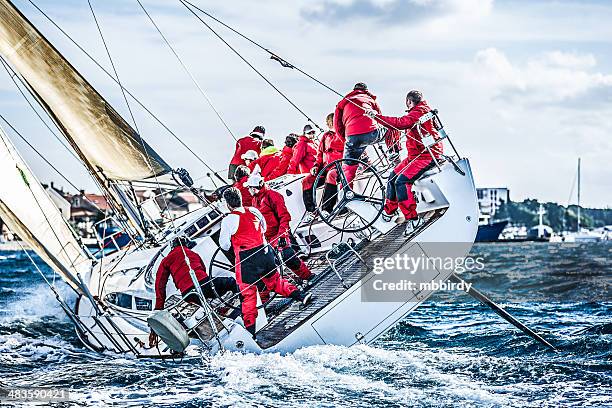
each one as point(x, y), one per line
point(243, 229)
point(419, 160)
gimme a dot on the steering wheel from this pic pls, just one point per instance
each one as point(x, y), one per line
point(231, 268)
point(367, 187)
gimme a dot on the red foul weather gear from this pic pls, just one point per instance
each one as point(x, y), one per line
point(413, 139)
point(243, 145)
point(272, 206)
point(350, 119)
point(268, 161)
point(399, 186)
point(283, 164)
point(304, 156)
point(331, 148)
point(247, 198)
point(174, 265)
point(255, 261)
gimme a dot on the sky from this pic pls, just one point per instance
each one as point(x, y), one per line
point(524, 88)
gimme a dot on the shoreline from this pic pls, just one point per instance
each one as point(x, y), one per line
point(13, 246)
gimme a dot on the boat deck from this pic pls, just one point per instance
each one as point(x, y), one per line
point(287, 315)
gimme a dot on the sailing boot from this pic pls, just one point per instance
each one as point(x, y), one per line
point(251, 329)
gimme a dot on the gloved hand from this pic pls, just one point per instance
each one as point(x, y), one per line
point(282, 242)
point(371, 113)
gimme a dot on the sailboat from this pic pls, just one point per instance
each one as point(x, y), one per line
point(115, 294)
point(581, 234)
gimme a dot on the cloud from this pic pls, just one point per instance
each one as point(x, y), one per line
point(552, 78)
point(395, 11)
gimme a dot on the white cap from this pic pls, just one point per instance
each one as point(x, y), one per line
point(255, 180)
point(250, 155)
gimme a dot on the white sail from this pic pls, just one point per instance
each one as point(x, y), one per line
point(28, 211)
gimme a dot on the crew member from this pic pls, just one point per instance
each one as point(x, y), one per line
point(272, 206)
point(244, 144)
point(242, 175)
point(331, 148)
point(304, 157)
point(177, 264)
point(269, 159)
point(419, 160)
point(286, 155)
point(357, 129)
point(249, 157)
point(243, 229)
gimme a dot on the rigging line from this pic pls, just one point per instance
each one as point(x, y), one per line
point(275, 57)
point(184, 2)
point(196, 83)
point(46, 161)
point(12, 74)
point(61, 30)
point(110, 58)
point(142, 143)
point(27, 183)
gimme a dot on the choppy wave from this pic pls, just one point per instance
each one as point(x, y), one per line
point(449, 352)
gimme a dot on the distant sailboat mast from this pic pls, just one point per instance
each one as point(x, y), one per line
point(578, 195)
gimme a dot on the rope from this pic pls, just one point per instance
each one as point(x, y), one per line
point(196, 83)
point(149, 112)
point(275, 57)
point(185, 2)
point(12, 74)
point(142, 143)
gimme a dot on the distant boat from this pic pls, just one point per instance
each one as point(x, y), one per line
point(540, 232)
point(582, 234)
point(490, 232)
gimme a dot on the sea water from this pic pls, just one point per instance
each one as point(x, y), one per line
point(452, 351)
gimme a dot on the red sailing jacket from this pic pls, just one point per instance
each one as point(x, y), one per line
point(247, 198)
point(413, 140)
point(304, 156)
point(283, 165)
point(268, 162)
point(174, 265)
point(331, 147)
point(349, 119)
point(243, 145)
point(249, 234)
point(272, 206)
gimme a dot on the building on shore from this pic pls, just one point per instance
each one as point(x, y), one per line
point(490, 199)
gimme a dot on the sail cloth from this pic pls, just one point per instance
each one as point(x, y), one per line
point(101, 137)
point(29, 212)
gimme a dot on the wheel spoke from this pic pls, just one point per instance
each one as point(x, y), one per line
point(222, 265)
point(342, 176)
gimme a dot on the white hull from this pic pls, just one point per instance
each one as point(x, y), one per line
point(346, 320)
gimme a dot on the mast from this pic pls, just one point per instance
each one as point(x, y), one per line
point(110, 149)
point(578, 195)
